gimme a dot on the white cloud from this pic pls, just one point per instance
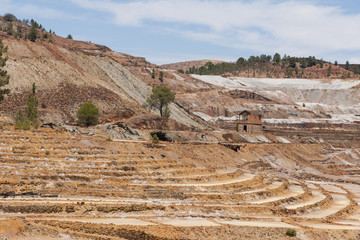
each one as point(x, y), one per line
point(292, 27)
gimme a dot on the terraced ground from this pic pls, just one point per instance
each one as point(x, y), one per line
point(55, 185)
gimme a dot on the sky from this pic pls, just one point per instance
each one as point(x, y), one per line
point(168, 31)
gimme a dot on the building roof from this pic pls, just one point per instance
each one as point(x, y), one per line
point(252, 112)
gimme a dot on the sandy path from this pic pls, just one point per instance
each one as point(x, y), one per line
point(272, 186)
point(331, 226)
point(317, 197)
point(340, 202)
point(188, 223)
point(242, 178)
point(294, 191)
point(258, 224)
point(115, 221)
point(332, 188)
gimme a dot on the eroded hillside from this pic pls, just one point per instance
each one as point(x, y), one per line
point(68, 73)
point(203, 180)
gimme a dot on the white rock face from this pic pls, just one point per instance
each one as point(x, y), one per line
point(336, 97)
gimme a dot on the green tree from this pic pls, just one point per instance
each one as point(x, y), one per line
point(32, 108)
point(9, 17)
point(336, 63)
point(30, 118)
point(88, 114)
point(292, 62)
point(9, 29)
point(69, 36)
point(303, 63)
point(277, 58)
point(32, 34)
point(347, 65)
point(19, 32)
point(356, 69)
point(160, 98)
point(161, 77)
point(329, 70)
point(4, 76)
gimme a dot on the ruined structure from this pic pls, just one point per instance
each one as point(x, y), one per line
point(249, 122)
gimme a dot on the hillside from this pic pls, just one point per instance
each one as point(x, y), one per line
point(206, 177)
point(68, 73)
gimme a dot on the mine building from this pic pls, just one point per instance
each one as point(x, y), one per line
point(249, 122)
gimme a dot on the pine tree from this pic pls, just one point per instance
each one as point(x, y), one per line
point(161, 78)
point(277, 58)
point(160, 98)
point(32, 108)
point(4, 76)
point(329, 70)
point(347, 65)
point(33, 34)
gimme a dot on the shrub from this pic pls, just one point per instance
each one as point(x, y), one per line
point(155, 139)
point(88, 114)
point(21, 121)
point(69, 37)
point(291, 232)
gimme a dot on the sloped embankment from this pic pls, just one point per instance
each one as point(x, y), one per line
point(66, 77)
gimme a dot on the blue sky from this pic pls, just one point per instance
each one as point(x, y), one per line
point(166, 31)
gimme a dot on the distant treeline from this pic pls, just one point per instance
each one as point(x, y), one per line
point(288, 63)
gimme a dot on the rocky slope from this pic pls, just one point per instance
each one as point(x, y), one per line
point(68, 73)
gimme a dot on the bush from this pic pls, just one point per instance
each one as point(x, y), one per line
point(291, 232)
point(69, 37)
point(155, 138)
point(88, 114)
point(21, 121)
point(9, 17)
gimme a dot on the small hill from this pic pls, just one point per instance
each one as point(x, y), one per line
point(185, 66)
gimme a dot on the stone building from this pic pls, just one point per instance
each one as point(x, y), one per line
point(249, 122)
